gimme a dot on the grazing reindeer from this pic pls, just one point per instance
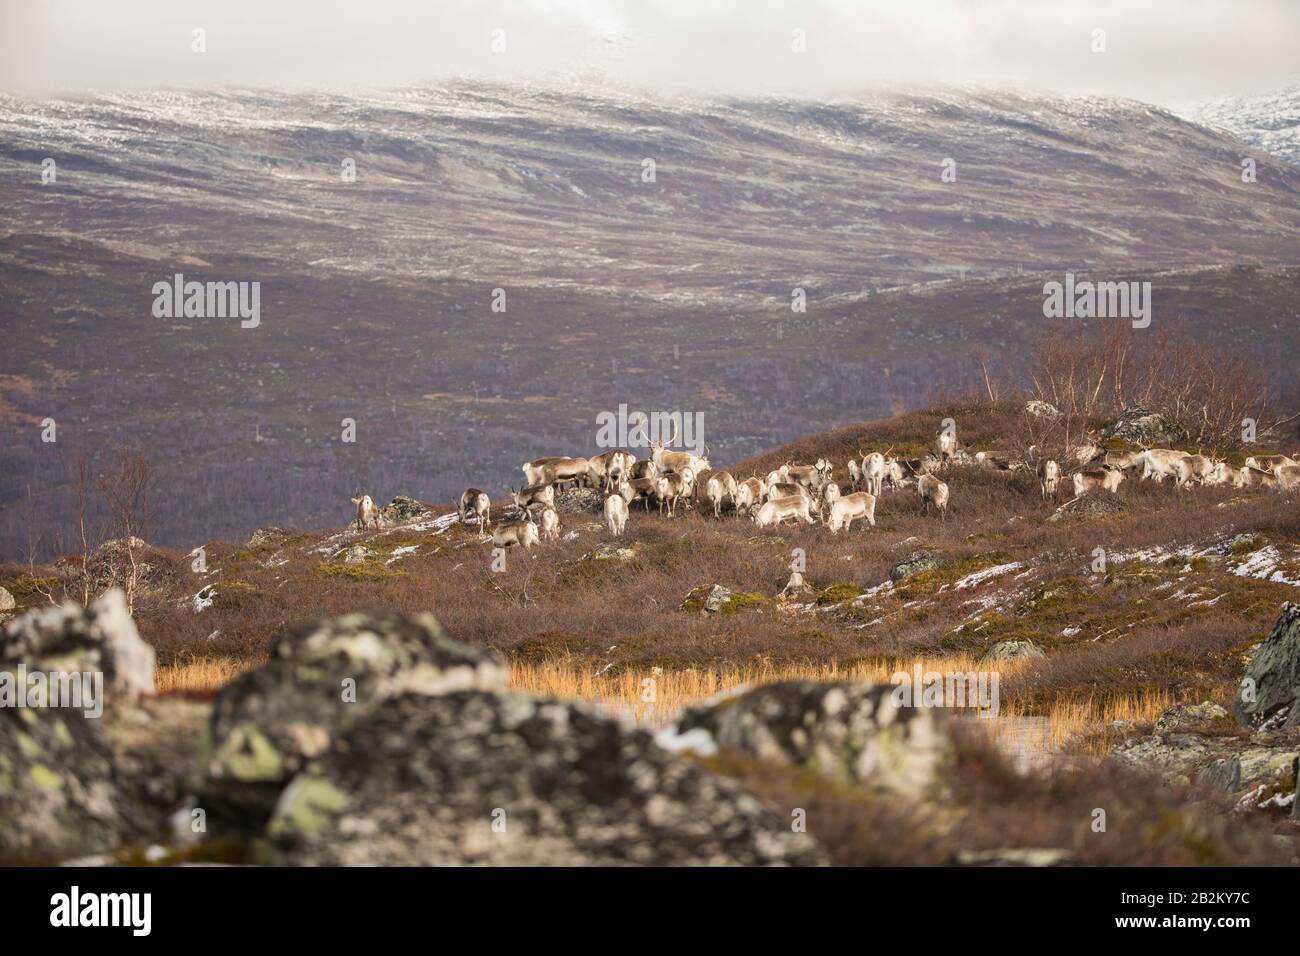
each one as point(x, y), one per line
point(855, 474)
point(615, 514)
point(642, 489)
point(1193, 468)
point(556, 471)
point(549, 522)
point(860, 504)
point(609, 468)
point(526, 498)
point(515, 531)
point(809, 477)
point(720, 487)
point(476, 504)
point(644, 469)
point(1159, 463)
point(749, 495)
point(367, 513)
point(830, 495)
point(777, 475)
point(1269, 462)
point(1049, 478)
point(1288, 476)
point(1097, 479)
point(1257, 478)
point(535, 472)
point(670, 488)
point(777, 510)
point(933, 492)
point(783, 489)
point(1225, 475)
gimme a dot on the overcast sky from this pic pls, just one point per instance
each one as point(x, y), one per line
point(1170, 52)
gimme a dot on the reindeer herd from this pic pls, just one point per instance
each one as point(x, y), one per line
point(798, 492)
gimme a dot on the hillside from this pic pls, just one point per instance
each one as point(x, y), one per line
point(666, 294)
point(1192, 581)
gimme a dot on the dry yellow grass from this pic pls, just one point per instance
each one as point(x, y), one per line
point(202, 675)
point(654, 697)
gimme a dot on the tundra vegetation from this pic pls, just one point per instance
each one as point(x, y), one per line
point(1097, 620)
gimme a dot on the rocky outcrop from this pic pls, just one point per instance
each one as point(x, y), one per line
point(1039, 409)
point(1200, 743)
point(403, 508)
point(61, 794)
point(1009, 650)
point(1270, 691)
point(918, 562)
point(509, 779)
point(1141, 426)
point(1087, 508)
point(70, 638)
point(319, 682)
point(853, 732)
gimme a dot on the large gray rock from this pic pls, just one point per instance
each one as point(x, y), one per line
point(403, 508)
point(60, 792)
point(854, 732)
point(918, 562)
point(1087, 508)
point(69, 638)
point(320, 681)
point(1270, 689)
point(1009, 650)
point(1141, 426)
point(509, 779)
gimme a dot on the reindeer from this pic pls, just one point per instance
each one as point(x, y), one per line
point(749, 495)
point(670, 488)
point(776, 475)
point(608, 468)
point(855, 474)
point(526, 498)
point(1193, 468)
point(809, 477)
point(515, 531)
point(1097, 479)
point(777, 510)
point(640, 489)
point(1225, 475)
point(783, 489)
point(615, 514)
point(548, 521)
point(535, 471)
point(643, 469)
point(1257, 478)
point(675, 461)
point(830, 495)
point(1269, 462)
point(994, 459)
point(477, 504)
point(873, 472)
point(367, 513)
point(945, 445)
point(1288, 476)
point(720, 487)
point(860, 504)
point(1158, 463)
point(932, 492)
point(1049, 478)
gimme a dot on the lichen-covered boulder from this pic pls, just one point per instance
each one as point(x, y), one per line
point(319, 681)
point(1141, 426)
point(1010, 650)
point(506, 778)
point(71, 639)
point(403, 508)
point(918, 562)
point(1270, 690)
point(855, 732)
point(65, 673)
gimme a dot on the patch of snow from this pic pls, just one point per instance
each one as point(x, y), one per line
point(697, 741)
point(979, 577)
